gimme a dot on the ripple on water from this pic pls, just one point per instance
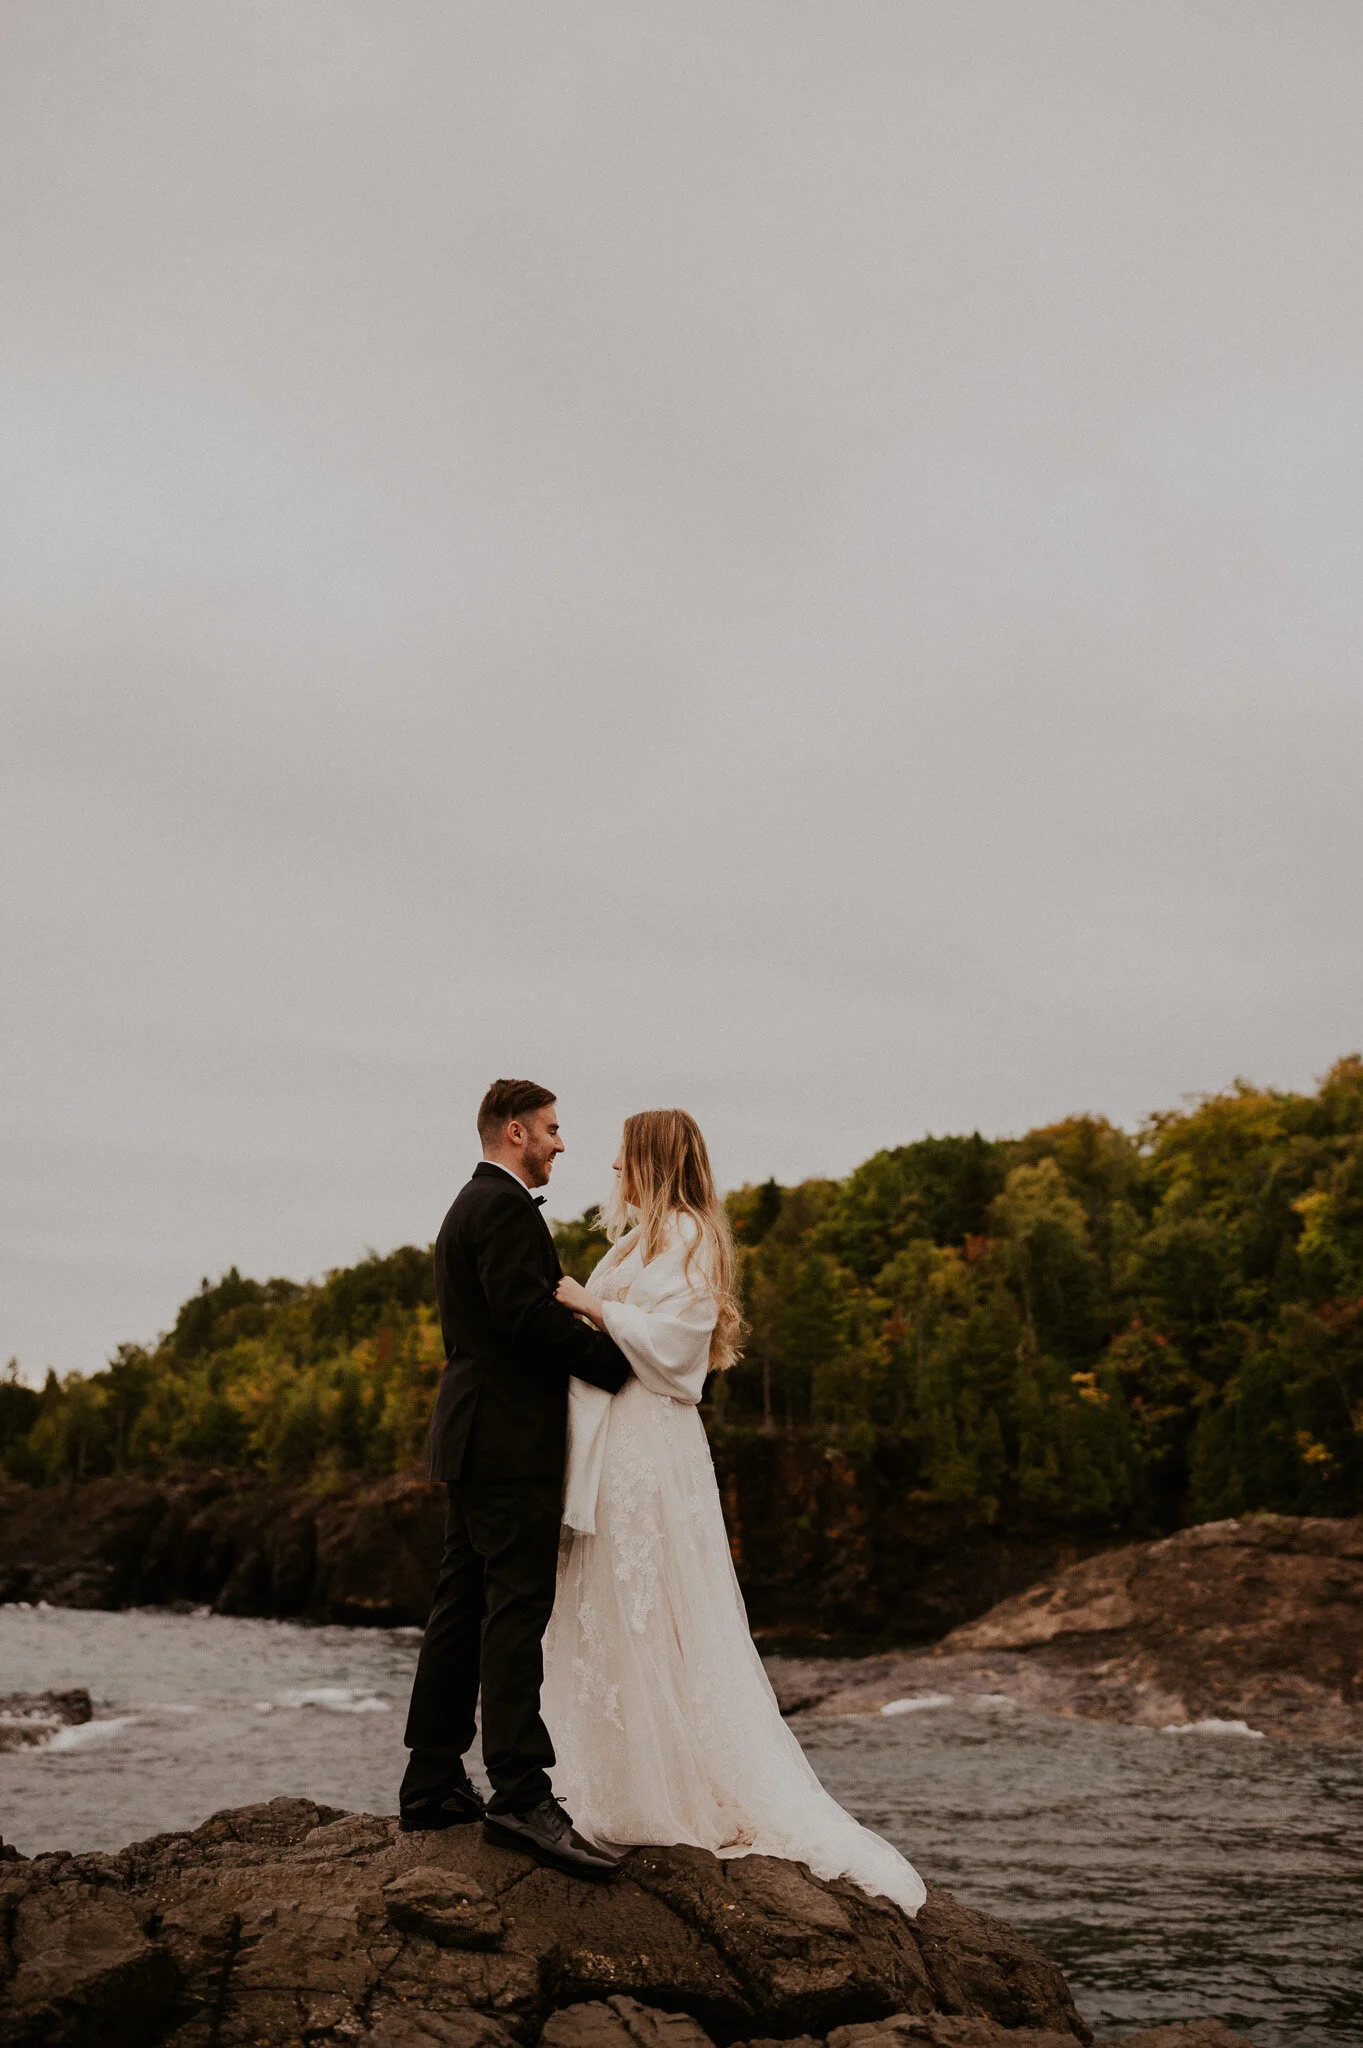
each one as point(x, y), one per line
point(1169, 1879)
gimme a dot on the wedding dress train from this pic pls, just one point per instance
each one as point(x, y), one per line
point(663, 1719)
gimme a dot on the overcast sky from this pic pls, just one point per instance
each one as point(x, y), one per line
point(800, 560)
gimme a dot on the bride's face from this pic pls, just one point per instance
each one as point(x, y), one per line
point(618, 1166)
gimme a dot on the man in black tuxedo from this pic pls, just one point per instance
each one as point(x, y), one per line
point(498, 1440)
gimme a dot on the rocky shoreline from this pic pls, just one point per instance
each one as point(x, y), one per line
point(1257, 1622)
point(824, 1545)
point(291, 1923)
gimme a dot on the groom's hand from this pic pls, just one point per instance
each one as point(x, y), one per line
point(575, 1296)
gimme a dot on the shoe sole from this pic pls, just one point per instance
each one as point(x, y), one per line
point(568, 1866)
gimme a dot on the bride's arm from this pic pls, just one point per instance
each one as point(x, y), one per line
point(667, 1342)
point(574, 1295)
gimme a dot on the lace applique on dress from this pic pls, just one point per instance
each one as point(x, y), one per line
point(634, 1516)
point(593, 1687)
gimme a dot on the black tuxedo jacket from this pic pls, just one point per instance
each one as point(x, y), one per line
point(510, 1348)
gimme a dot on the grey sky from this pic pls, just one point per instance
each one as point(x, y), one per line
point(800, 560)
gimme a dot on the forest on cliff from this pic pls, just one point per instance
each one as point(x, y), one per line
point(1081, 1326)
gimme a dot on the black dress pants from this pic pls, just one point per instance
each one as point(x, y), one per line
point(492, 1605)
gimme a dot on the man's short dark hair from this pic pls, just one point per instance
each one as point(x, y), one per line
point(509, 1102)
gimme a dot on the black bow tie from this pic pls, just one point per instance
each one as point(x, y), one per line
point(539, 1200)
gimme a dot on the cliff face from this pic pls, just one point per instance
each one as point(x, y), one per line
point(822, 1545)
point(825, 1543)
point(367, 1554)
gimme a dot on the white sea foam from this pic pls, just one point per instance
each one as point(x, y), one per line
point(1213, 1727)
point(919, 1704)
point(86, 1734)
point(333, 1699)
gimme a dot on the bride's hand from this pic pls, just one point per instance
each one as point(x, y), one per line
point(574, 1296)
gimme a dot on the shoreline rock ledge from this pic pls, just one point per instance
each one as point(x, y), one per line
point(290, 1923)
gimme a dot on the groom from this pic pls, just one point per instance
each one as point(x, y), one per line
point(498, 1440)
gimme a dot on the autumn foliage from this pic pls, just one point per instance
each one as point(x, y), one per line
point(1082, 1325)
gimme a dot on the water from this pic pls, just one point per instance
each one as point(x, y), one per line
point(1198, 1876)
point(1171, 1878)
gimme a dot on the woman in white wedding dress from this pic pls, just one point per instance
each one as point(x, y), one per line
point(663, 1719)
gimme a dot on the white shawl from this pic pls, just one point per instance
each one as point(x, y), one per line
point(662, 1321)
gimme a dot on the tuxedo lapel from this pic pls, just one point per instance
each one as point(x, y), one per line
point(485, 1170)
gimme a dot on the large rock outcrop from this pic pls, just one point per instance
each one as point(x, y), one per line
point(1258, 1620)
point(288, 1923)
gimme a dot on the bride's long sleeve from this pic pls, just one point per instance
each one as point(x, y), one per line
point(668, 1343)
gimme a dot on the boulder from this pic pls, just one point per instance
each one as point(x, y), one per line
point(28, 1719)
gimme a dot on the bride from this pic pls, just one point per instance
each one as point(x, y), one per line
point(660, 1711)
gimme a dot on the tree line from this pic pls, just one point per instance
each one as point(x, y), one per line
point(1079, 1326)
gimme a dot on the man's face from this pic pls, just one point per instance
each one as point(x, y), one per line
point(542, 1145)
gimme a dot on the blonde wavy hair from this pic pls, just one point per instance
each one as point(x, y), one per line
point(664, 1169)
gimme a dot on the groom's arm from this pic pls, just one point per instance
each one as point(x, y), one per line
point(546, 1334)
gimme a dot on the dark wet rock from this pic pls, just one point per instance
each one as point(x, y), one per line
point(78, 1966)
point(1258, 1620)
point(28, 1719)
point(292, 1922)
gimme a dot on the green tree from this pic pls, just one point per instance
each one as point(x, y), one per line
point(1049, 1259)
point(581, 1244)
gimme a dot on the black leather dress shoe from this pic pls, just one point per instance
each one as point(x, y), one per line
point(453, 1806)
point(547, 1834)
